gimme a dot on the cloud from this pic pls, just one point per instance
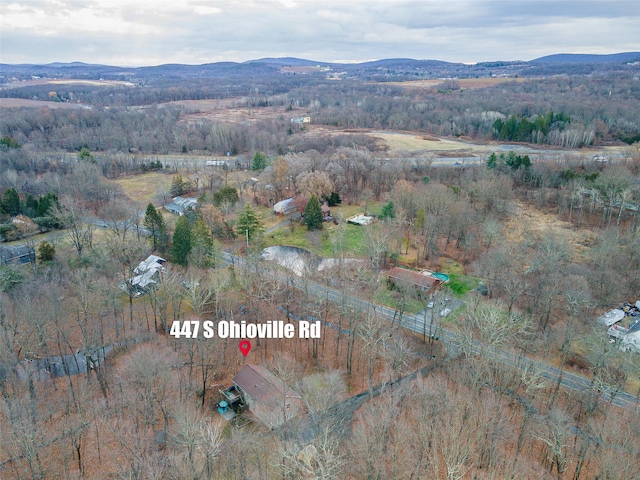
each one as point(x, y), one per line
point(135, 32)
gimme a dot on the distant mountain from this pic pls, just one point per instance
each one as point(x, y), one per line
point(384, 70)
point(390, 62)
point(288, 61)
point(588, 58)
point(71, 64)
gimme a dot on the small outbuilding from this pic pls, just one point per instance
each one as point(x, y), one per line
point(326, 211)
point(360, 219)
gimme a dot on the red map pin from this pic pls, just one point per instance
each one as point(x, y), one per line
point(245, 347)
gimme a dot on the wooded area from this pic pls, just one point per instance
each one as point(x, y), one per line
point(535, 248)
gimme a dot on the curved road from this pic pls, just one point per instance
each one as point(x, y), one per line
point(454, 341)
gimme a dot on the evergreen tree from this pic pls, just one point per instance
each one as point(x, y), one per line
point(8, 142)
point(30, 206)
point(388, 211)
point(313, 214)
point(492, 160)
point(154, 222)
point(85, 155)
point(259, 161)
point(177, 186)
point(10, 202)
point(249, 223)
point(203, 249)
point(226, 194)
point(46, 203)
point(46, 252)
point(181, 241)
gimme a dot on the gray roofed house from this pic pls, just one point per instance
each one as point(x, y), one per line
point(269, 399)
point(180, 205)
point(631, 340)
point(147, 274)
point(16, 254)
point(284, 207)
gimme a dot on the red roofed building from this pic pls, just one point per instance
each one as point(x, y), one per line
point(421, 281)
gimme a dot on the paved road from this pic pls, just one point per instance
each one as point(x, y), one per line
point(453, 341)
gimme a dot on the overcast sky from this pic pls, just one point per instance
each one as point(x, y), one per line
point(153, 32)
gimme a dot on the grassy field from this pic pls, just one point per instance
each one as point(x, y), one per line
point(465, 83)
point(384, 296)
point(143, 188)
point(408, 142)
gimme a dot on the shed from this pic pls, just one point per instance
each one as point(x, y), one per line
point(360, 219)
point(326, 211)
point(269, 399)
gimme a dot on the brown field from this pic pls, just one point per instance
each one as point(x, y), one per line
point(209, 104)
point(300, 69)
point(25, 102)
point(208, 110)
point(70, 81)
point(468, 83)
point(143, 188)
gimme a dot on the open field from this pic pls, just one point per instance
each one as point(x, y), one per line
point(142, 188)
point(409, 142)
point(25, 102)
point(463, 82)
point(69, 81)
point(207, 111)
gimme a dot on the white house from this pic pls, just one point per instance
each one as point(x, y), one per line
point(284, 207)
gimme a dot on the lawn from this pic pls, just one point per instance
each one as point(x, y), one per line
point(144, 187)
point(461, 284)
point(326, 241)
point(384, 296)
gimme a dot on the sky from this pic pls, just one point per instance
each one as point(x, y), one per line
point(154, 32)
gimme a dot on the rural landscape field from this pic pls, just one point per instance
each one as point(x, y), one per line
point(464, 238)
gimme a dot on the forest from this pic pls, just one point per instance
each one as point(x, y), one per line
point(524, 193)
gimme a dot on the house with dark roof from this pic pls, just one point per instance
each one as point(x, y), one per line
point(267, 397)
point(16, 254)
point(421, 281)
